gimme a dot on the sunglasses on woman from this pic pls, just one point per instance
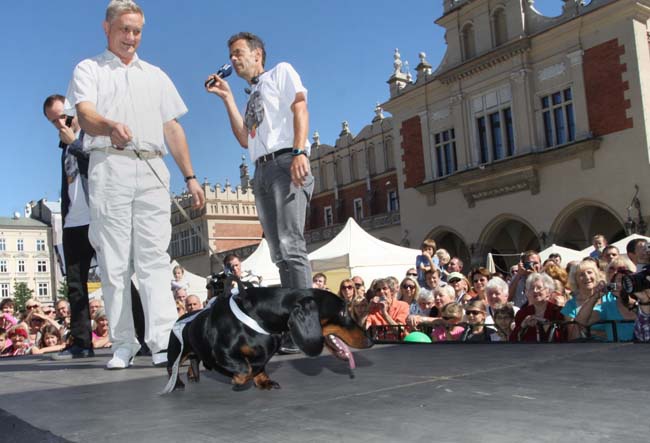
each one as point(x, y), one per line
point(473, 312)
point(409, 287)
point(348, 287)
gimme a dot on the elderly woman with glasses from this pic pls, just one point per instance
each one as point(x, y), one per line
point(385, 310)
point(611, 305)
point(535, 322)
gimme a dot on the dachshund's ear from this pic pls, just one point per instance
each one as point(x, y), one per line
point(304, 327)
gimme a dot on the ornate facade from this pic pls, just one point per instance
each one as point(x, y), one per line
point(532, 130)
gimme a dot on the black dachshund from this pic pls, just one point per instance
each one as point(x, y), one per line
point(240, 346)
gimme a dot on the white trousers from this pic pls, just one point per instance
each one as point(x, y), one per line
point(130, 230)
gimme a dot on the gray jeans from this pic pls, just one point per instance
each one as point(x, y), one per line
point(281, 208)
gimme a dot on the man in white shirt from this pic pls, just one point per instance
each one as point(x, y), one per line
point(77, 250)
point(128, 109)
point(274, 130)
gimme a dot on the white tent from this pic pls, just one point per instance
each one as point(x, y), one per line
point(355, 252)
point(259, 263)
point(567, 254)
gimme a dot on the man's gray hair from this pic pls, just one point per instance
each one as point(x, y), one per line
point(118, 7)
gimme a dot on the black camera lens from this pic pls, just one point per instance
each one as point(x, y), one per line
point(636, 282)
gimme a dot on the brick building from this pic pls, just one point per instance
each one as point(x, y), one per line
point(228, 222)
point(531, 131)
point(356, 177)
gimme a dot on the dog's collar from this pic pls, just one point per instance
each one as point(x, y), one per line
point(245, 319)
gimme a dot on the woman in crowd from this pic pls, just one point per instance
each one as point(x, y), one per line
point(479, 278)
point(496, 293)
point(347, 290)
point(611, 303)
point(535, 322)
point(461, 287)
point(586, 280)
point(180, 308)
point(386, 310)
point(476, 331)
point(409, 290)
point(504, 321)
point(420, 310)
point(101, 337)
point(559, 296)
point(448, 328)
point(442, 295)
point(51, 341)
point(20, 345)
point(359, 310)
point(95, 305)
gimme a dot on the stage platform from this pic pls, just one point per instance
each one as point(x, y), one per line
point(401, 393)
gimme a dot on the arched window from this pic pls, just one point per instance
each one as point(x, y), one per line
point(354, 166)
point(372, 162)
point(388, 151)
point(469, 42)
point(500, 27)
point(339, 171)
point(323, 177)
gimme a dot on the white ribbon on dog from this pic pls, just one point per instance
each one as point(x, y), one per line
point(177, 329)
point(245, 319)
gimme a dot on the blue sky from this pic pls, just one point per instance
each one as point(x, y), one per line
point(343, 49)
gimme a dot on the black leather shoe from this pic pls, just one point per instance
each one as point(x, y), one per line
point(74, 352)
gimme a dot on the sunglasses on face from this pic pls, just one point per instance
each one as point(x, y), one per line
point(358, 285)
point(348, 287)
point(412, 274)
point(32, 306)
point(410, 287)
point(473, 312)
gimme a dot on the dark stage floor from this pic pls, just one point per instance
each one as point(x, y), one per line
point(404, 393)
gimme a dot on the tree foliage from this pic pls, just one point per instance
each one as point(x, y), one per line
point(22, 293)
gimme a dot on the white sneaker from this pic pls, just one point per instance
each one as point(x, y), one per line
point(159, 358)
point(122, 357)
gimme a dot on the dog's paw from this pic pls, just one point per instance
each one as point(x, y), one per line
point(267, 385)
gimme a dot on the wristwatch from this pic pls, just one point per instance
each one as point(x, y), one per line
point(298, 151)
point(190, 177)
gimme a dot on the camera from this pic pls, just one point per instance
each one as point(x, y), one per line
point(612, 287)
point(528, 265)
point(636, 282)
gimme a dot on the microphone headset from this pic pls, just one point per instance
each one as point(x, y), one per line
point(255, 80)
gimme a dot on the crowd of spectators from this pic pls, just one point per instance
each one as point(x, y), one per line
point(533, 302)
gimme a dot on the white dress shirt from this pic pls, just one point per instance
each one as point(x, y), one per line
point(139, 95)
